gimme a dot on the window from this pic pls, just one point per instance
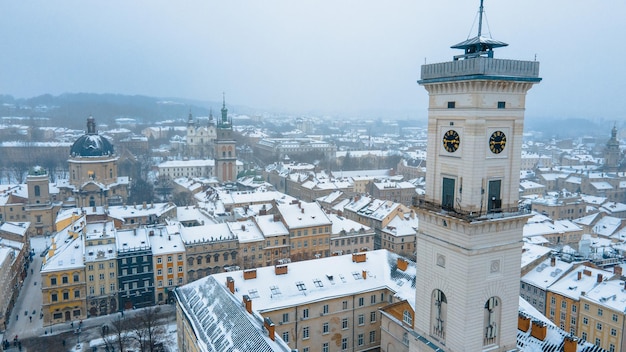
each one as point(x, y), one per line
point(613, 332)
point(159, 260)
point(305, 332)
point(501, 104)
point(180, 257)
point(66, 296)
point(611, 348)
point(586, 306)
point(584, 335)
point(325, 309)
point(180, 269)
point(169, 270)
point(585, 321)
point(90, 277)
point(614, 317)
point(90, 267)
point(599, 326)
point(573, 321)
point(54, 297)
point(169, 258)
point(553, 300)
point(325, 328)
point(598, 342)
point(344, 344)
point(405, 339)
point(159, 272)
point(372, 317)
point(407, 318)
point(564, 304)
point(373, 299)
point(372, 336)
point(574, 308)
point(101, 276)
point(101, 266)
point(344, 323)
point(64, 279)
point(53, 281)
point(344, 305)
point(361, 301)
point(600, 312)
point(451, 105)
point(285, 317)
point(286, 336)
point(361, 319)
point(325, 347)
point(77, 294)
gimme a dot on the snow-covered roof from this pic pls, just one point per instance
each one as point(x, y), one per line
point(322, 279)
point(571, 286)
point(531, 252)
point(341, 223)
point(166, 240)
point(269, 227)
point(246, 231)
point(14, 228)
point(220, 323)
point(206, 233)
point(66, 249)
point(401, 226)
point(303, 214)
point(545, 274)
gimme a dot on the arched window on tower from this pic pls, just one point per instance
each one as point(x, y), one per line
point(37, 191)
point(491, 321)
point(92, 201)
point(110, 173)
point(439, 315)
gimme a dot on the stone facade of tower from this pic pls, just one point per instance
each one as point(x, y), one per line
point(225, 151)
point(469, 241)
point(612, 154)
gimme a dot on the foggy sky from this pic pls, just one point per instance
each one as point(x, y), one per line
point(345, 56)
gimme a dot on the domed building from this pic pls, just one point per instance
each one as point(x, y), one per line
point(93, 179)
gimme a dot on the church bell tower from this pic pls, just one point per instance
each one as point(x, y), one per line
point(469, 241)
point(225, 148)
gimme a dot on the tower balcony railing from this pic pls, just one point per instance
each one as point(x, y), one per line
point(471, 215)
point(483, 66)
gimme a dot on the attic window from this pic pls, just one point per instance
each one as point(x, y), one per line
point(253, 293)
point(275, 290)
point(300, 286)
point(318, 283)
point(357, 275)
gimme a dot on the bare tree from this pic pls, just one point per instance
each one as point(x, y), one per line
point(147, 331)
point(117, 333)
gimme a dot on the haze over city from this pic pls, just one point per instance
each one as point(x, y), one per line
point(345, 57)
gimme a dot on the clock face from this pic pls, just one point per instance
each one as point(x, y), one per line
point(497, 142)
point(451, 141)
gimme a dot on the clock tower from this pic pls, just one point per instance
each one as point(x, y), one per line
point(469, 241)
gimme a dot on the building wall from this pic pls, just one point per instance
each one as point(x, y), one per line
point(64, 296)
point(201, 257)
point(600, 322)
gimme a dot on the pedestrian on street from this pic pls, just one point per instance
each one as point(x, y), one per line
point(31, 318)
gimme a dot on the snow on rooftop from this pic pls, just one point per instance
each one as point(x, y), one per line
point(320, 279)
point(572, 287)
point(166, 240)
point(133, 239)
point(66, 248)
point(269, 227)
point(206, 233)
point(246, 231)
point(303, 214)
point(531, 252)
point(544, 274)
point(611, 294)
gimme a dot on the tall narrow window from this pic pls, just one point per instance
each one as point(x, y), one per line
point(37, 191)
point(492, 320)
point(439, 314)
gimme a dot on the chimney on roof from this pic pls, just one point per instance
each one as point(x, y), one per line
point(230, 283)
point(570, 344)
point(539, 330)
point(580, 275)
point(151, 233)
point(553, 261)
point(247, 302)
point(267, 324)
point(587, 272)
point(600, 277)
point(523, 322)
point(249, 274)
point(276, 217)
point(145, 206)
point(281, 269)
point(402, 264)
point(302, 210)
point(359, 257)
point(617, 270)
point(364, 274)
